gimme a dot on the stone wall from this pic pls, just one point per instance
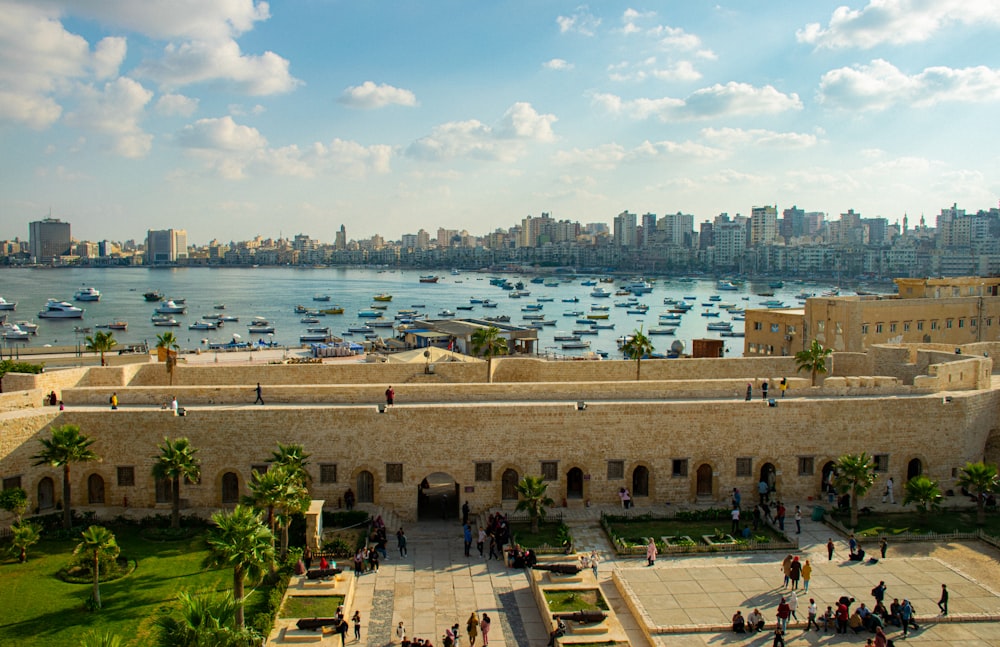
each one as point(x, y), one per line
point(799, 434)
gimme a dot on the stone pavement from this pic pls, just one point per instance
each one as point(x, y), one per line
point(436, 586)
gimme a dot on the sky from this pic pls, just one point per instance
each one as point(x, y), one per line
point(233, 118)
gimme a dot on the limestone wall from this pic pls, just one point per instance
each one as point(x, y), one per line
point(453, 438)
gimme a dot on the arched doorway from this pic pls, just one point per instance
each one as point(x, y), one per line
point(574, 483)
point(95, 489)
point(366, 487)
point(827, 474)
point(46, 494)
point(768, 474)
point(640, 481)
point(437, 497)
point(914, 468)
point(230, 488)
point(508, 485)
point(703, 478)
point(164, 490)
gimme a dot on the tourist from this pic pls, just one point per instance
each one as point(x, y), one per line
point(465, 513)
point(401, 542)
point(735, 515)
point(390, 396)
point(842, 615)
point(651, 552)
point(827, 618)
point(829, 549)
point(896, 612)
point(481, 540)
point(259, 399)
point(779, 637)
point(400, 629)
point(749, 392)
point(472, 628)
point(880, 638)
point(62, 407)
point(763, 489)
point(595, 559)
point(888, 494)
point(484, 625)
point(779, 516)
point(173, 404)
point(323, 564)
point(943, 601)
point(855, 622)
point(356, 620)
point(737, 498)
point(883, 545)
point(373, 563)
point(811, 611)
point(786, 569)
point(755, 621)
point(807, 571)
point(359, 563)
point(784, 612)
point(793, 605)
point(739, 623)
point(798, 520)
point(763, 391)
point(783, 386)
point(624, 496)
point(795, 572)
point(467, 538)
point(878, 591)
point(457, 634)
point(349, 499)
point(852, 543)
point(558, 632)
point(52, 399)
point(114, 400)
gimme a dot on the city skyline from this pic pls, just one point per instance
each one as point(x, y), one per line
point(232, 119)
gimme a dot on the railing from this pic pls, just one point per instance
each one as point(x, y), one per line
point(979, 534)
point(740, 545)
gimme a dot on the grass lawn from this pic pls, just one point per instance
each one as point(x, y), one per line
point(40, 609)
point(894, 523)
point(311, 606)
point(576, 600)
point(638, 532)
point(548, 534)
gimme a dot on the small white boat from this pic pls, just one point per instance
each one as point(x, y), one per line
point(662, 331)
point(12, 332)
point(55, 309)
point(260, 330)
point(309, 320)
point(446, 313)
point(600, 292)
point(27, 326)
point(171, 307)
point(259, 321)
point(229, 318)
point(575, 344)
point(168, 322)
point(202, 324)
point(87, 294)
point(7, 305)
point(566, 337)
point(322, 297)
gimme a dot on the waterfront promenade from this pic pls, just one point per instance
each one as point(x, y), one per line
point(693, 598)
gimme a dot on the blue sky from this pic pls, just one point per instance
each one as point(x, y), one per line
point(232, 118)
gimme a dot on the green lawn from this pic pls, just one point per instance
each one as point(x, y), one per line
point(548, 534)
point(575, 600)
point(311, 606)
point(894, 523)
point(638, 532)
point(40, 609)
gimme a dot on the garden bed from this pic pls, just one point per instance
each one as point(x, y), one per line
point(311, 606)
point(630, 534)
point(568, 601)
point(551, 538)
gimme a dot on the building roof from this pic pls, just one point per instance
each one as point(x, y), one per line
point(434, 355)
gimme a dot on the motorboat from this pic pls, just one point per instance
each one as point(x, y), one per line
point(639, 287)
point(545, 299)
point(179, 302)
point(490, 304)
point(7, 305)
point(773, 303)
point(430, 278)
point(321, 297)
point(532, 307)
point(114, 325)
point(732, 333)
point(603, 326)
point(309, 320)
point(499, 319)
point(152, 295)
point(720, 325)
point(212, 317)
point(259, 321)
point(316, 337)
point(533, 316)
point(446, 313)
point(55, 309)
point(589, 283)
point(575, 345)
point(566, 337)
point(359, 329)
point(301, 309)
point(202, 324)
point(171, 307)
point(165, 322)
point(464, 307)
point(585, 322)
point(87, 294)
point(726, 285)
point(13, 332)
point(229, 318)
point(219, 306)
point(381, 323)
point(585, 331)
point(598, 315)
point(28, 326)
point(573, 313)
point(597, 308)
point(547, 322)
point(379, 306)
point(600, 292)
point(382, 297)
point(369, 314)
point(571, 300)
point(710, 313)
point(670, 316)
point(637, 310)
point(260, 329)
point(336, 310)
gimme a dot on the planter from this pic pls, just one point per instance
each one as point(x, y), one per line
point(680, 541)
point(713, 540)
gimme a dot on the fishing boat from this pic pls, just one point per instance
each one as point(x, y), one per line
point(566, 337)
point(446, 313)
point(359, 329)
point(603, 326)
point(597, 308)
point(369, 314)
point(430, 278)
point(571, 300)
point(573, 313)
point(336, 310)
point(321, 297)
point(381, 323)
point(600, 292)
point(597, 315)
point(662, 331)
point(309, 320)
point(569, 345)
point(490, 304)
point(383, 297)
point(114, 325)
point(720, 325)
point(152, 295)
point(533, 316)
point(260, 329)
point(202, 324)
point(499, 319)
point(726, 285)
point(164, 321)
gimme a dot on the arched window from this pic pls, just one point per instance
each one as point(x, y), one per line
point(230, 488)
point(95, 489)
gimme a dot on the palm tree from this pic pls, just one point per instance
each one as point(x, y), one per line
point(923, 492)
point(637, 347)
point(176, 460)
point(168, 342)
point(24, 535)
point(533, 498)
point(294, 457)
point(67, 446)
point(241, 541)
point(205, 620)
point(101, 342)
point(980, 478)
point(489, 343)
point(278, 490)
point(855, 476)
point(98, 543)
point(99, 639)
point(266, 492)
point(813, 359)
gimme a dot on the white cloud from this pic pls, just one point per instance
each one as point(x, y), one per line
point(472, 139)
point(176, 105)
point(108, 56)
point(609, 156)
point(651, 68)
point(679, 71)
point(202, 61)
point(756, 137)
point(730, 100)
point(582, 22)
point(115, 111)
point(897, 22)
point(880, 85)
point(370, 96)
point(220, 134)
point(557, 64)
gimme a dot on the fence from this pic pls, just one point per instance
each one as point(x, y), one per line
point(978, 534)
point(737, 546)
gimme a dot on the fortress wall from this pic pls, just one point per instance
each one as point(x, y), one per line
point(55, 380)
point(21, 399)
point(845, 364)
point(955, 375)
point(453, 438)
point(266, 374)
point(517, 369)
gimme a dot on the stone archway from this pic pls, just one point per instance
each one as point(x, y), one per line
point(437, 497)
point(230, 488)
point(366, 487)
point(508, 485)
point(574, 483)
point(703, 480)
point(827, 474)
point(95, 489)
point(914, 468)
point(769, 475)
point(46, 494)
point(640, 481)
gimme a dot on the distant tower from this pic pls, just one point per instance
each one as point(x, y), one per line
point(48, 239)
point(341, 240)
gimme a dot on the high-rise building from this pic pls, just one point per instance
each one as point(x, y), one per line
point(625, 228)
point(648, 229)
point(676, 229)
point(48, 239)
point(793, 223)
point(340, 242)
point(164, 246)
point(763, 225)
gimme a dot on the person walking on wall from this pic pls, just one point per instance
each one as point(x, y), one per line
point(943, 602)
point(114, 400)
point(401, 543)
point(783, 386)
point(749, 391)
point(763, 391)
point(390, 396)
point(467, 538)
point(260, 399)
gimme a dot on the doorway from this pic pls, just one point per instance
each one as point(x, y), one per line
point(574, 483)
point(829, 473)
point(768, 474)
point(46, 494)
point(640, 481)
point(230, 488)
point(95, 489)
point(437, 497)
point(914, 469)
point(366, 487)
point(508, 485)
point(704, 480)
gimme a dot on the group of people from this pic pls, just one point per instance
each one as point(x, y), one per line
point(452, 636)
point(496, 533)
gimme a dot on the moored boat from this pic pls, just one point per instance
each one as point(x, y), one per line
point(383, 297)
point(7, 305)
point(56, 309)
point(171, 307)
point(152, 295)
point(87, 294)
point(430, 278)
